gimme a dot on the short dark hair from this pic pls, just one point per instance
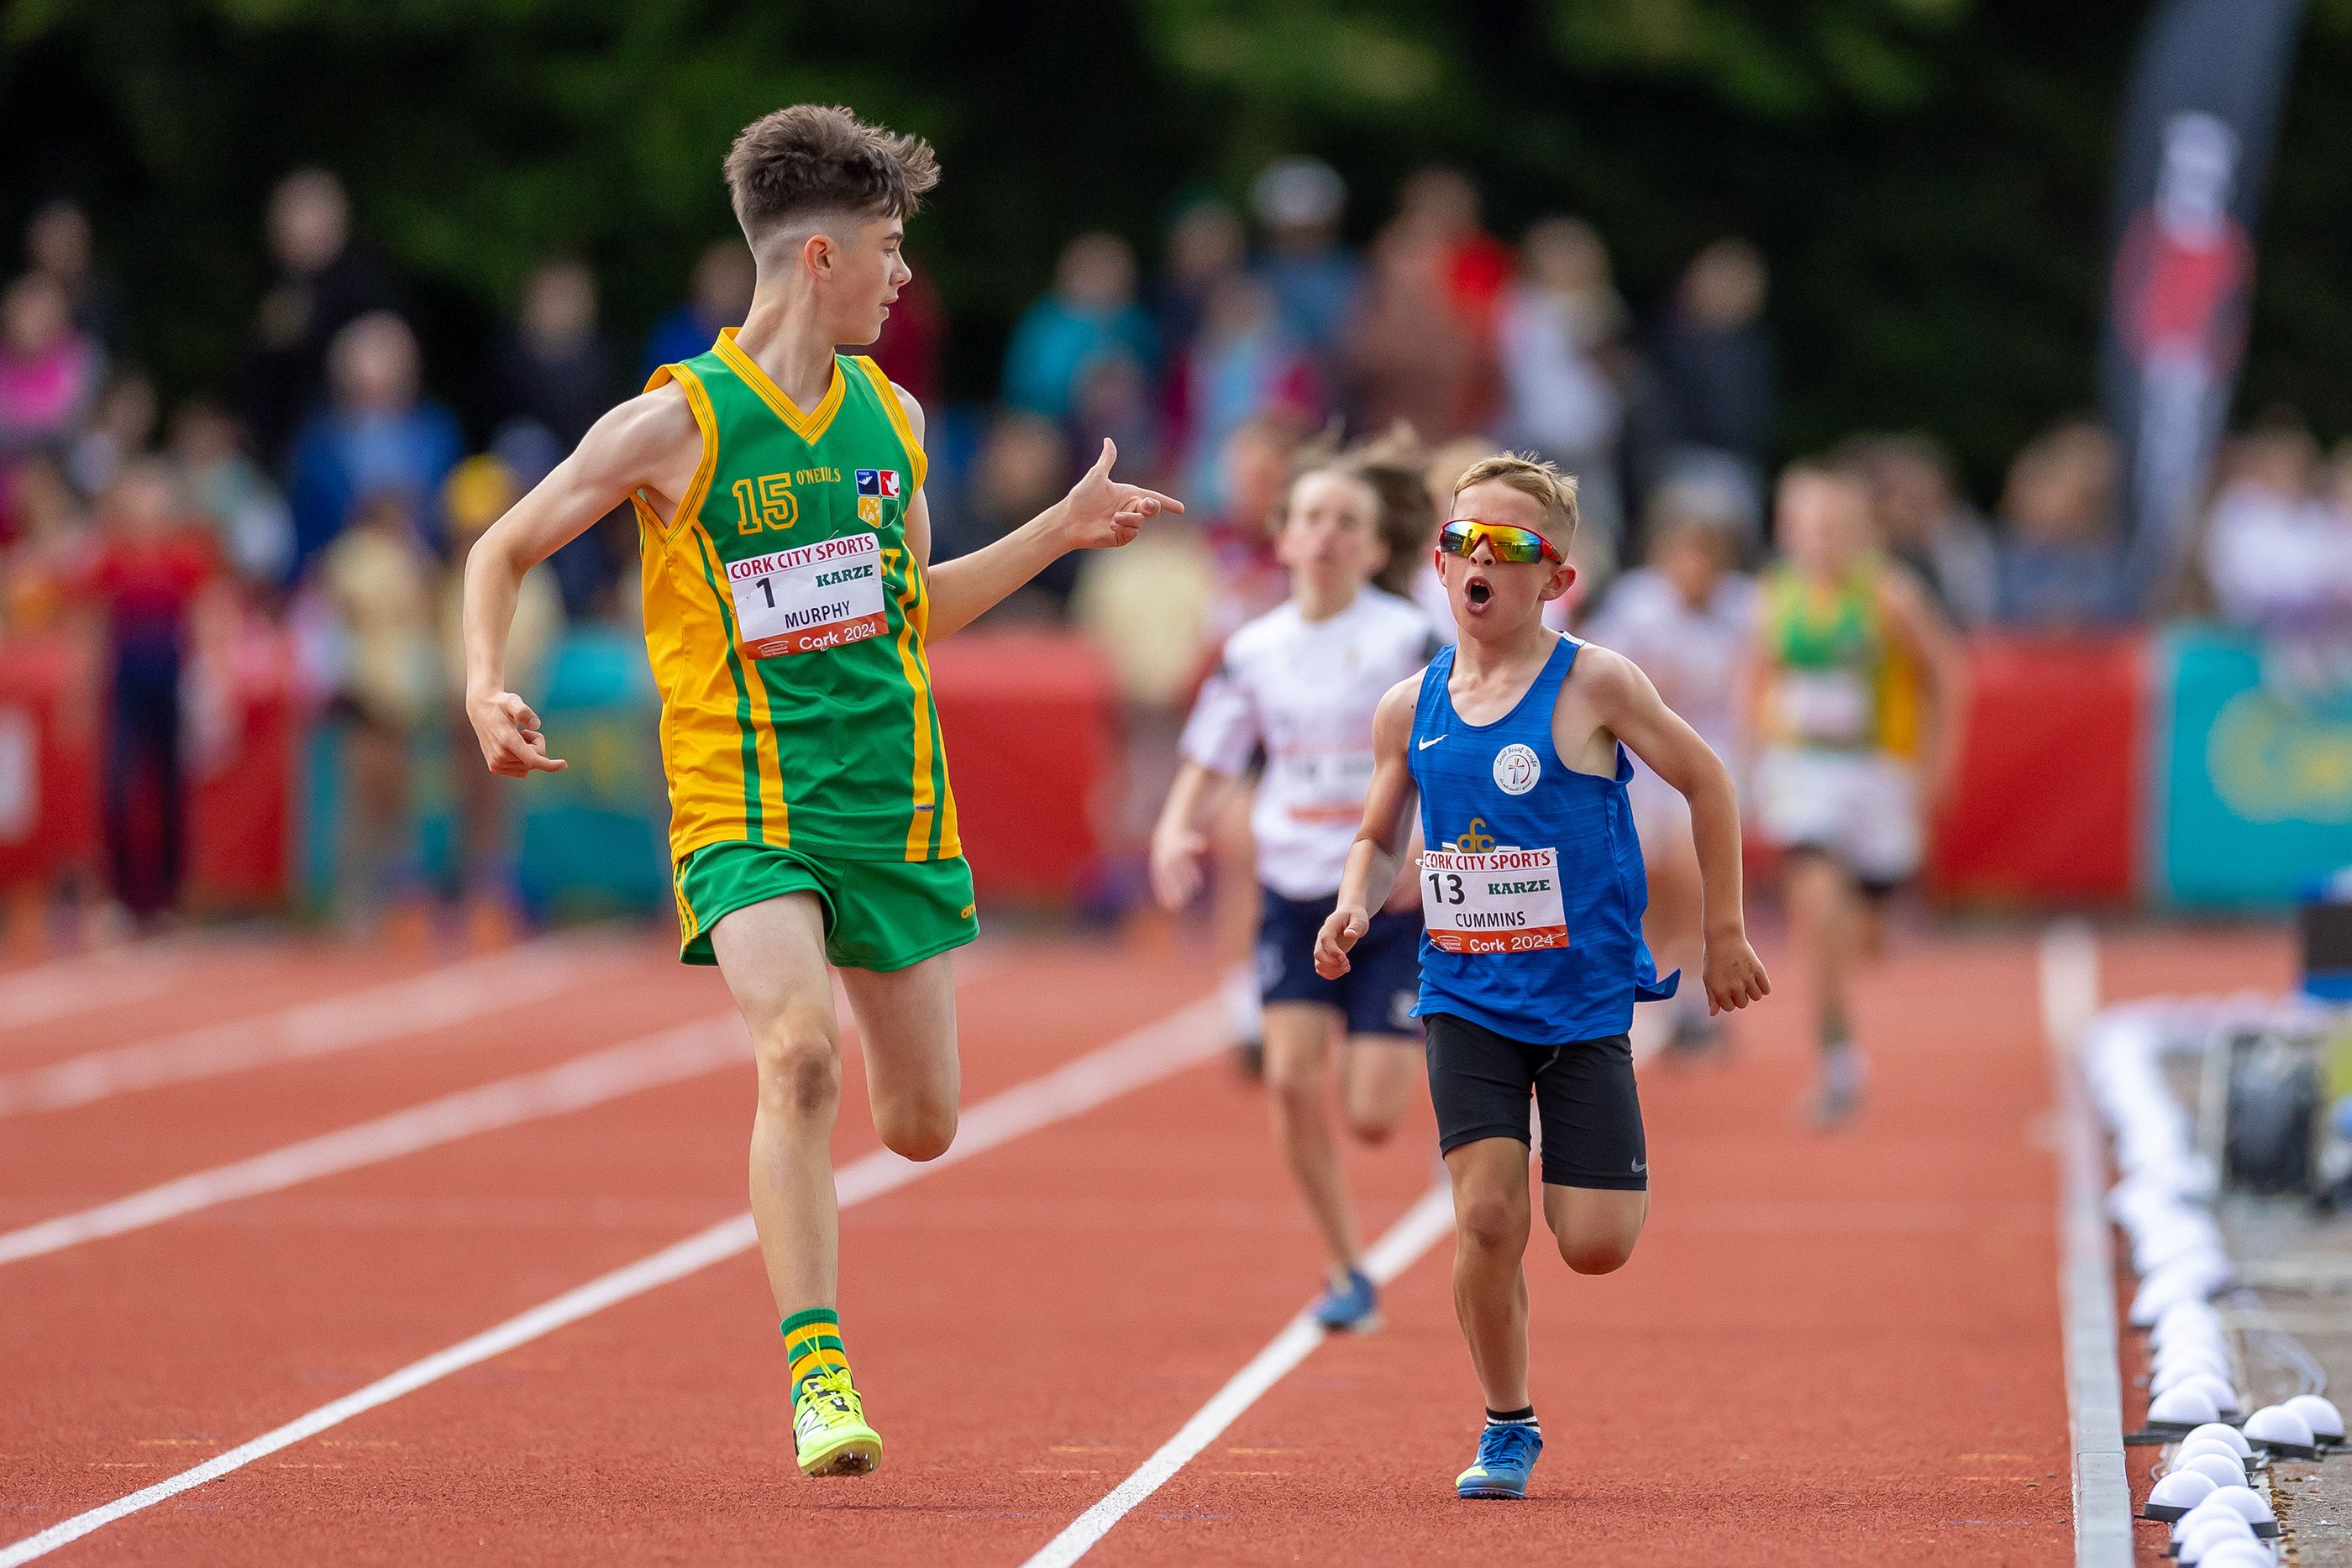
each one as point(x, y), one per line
point(817, 157)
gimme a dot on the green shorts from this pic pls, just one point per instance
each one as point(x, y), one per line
point(879, 914)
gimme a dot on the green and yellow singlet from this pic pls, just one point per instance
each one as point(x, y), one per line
point(1836, 682)
point(785, 622)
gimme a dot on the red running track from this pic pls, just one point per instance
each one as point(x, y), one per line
point(1829, 1349)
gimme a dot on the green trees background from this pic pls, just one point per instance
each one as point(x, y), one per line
point(1929, 177)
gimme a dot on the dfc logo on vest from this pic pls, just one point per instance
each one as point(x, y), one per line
point(1516, 768)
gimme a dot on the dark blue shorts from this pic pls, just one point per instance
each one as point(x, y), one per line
point(1375, 996)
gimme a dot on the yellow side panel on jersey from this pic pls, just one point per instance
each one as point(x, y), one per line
point(898, 420)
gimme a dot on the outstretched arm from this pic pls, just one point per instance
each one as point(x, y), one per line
point(642, 444)
point(1626, 701)
point(1099, 513)
point(1384, 839)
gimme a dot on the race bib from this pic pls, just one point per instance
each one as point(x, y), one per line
point(1498, 901)
point(1323, 786)
point(818, 596)
point(1832, 705)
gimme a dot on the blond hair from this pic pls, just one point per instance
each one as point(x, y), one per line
point(1534, 477)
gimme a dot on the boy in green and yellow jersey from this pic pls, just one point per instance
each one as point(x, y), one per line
point(789, 598)
point(1853, 704)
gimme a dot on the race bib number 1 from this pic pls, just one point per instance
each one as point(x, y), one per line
point(800, 601)
point(1501, 901)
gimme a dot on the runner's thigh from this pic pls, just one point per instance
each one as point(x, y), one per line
point(907, 1023)
point(771, 954)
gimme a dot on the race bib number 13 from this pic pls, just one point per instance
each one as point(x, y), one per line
point(1501, 901)
point(800, 601)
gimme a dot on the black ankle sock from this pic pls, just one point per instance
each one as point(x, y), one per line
point(1524, 1417)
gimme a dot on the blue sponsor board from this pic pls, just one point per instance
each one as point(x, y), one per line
point(2252, 772)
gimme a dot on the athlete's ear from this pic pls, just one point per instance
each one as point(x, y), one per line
point(816, 255)
point(1563, 578)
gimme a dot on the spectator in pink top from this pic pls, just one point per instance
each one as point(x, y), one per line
point(48, 372)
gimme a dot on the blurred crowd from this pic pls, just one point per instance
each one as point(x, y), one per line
point(324, 496)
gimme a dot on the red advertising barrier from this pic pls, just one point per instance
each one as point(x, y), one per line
point(238, 766)
point(2047, 806)
point(1031, 728)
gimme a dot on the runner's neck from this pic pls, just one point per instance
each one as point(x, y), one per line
point(782, 335)
point(1316, 606)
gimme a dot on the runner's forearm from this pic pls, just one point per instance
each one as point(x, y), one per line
point(1370, 875)
point(493, 584)
point(964, 588)
point(1714, 830)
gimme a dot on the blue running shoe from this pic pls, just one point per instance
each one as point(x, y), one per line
point(1353, 1308)
point(1507, 1453)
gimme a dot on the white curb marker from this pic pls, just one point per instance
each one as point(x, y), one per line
point(2095, 1401)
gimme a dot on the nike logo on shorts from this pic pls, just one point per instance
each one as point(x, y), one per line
point(1432, 740)
point(1641, 1166)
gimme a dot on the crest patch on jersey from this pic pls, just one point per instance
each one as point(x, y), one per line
point(882, 482)
point(1516, 768)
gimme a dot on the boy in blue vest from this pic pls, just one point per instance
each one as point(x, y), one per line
point(1532, 895)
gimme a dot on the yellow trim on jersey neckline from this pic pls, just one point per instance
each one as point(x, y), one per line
point(897, 410)
point(689, 506)
point(807, 426)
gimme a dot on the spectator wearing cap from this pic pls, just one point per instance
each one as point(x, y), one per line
point(377, 435)
point(58, 244)
point(720, 297)
point(323, 281)
point(1298, 203)
point(50, 371)
point(2059, 567)
point(1090, 313)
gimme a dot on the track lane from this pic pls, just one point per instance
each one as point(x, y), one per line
point(1028, 1326)
point(1827, 1350)
point(271, 1310)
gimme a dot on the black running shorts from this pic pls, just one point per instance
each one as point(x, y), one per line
point(1591, 1118)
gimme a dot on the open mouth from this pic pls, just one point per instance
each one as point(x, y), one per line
point(1478, 592)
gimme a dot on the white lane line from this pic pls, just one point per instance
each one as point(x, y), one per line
point(1192, 1034)
point(340, 1022)
point(1406, 1240)
point(2087, 1276)
point(61, 989)
point(686, 1051)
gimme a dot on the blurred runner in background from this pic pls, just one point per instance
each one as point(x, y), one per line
point(1299, 683)
point(1853, 697)
point(1685, 618)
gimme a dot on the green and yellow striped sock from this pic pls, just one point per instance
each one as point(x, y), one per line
point(812, 1344)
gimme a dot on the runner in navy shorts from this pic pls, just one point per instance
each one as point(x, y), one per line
point(1375, 997)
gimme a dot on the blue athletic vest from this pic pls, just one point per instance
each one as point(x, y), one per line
point(1552, 995)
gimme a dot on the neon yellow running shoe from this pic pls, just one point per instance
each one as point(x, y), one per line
point(829, 1427)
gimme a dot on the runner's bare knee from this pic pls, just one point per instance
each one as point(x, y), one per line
point(799, 1061)
point(916, 1128)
